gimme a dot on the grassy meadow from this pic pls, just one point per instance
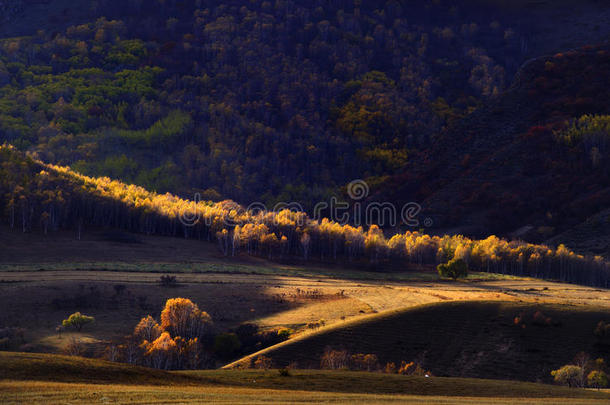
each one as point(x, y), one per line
point(53, 379)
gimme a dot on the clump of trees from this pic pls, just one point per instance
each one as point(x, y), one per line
point(176, 342)
point(77, 321)
point(582, 372)
point(570, 375)
point(184, 337)
point(597, 379)
point(333, 359)
point(589, 136)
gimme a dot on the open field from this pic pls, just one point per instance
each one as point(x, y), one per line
point(52, 379)
point(62, 393)
point(39, 290)
point(44, 298)
point(47, 278)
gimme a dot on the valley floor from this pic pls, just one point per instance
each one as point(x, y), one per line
point(46, 297)
point(12, 392)
point(44, 279)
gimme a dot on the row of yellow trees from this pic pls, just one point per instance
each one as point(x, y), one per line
point(31, 190)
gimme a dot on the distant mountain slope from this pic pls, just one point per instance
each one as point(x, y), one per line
point(258, 100)
point(506, 165)
point(592, 235)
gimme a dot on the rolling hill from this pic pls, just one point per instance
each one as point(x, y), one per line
point(453, 105)
point(459, 339)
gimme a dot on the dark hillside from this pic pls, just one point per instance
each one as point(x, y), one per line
point(506, 166)
point(470, 339)
point(261, 101)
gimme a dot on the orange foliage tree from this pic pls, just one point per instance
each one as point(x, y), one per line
point(181, 317)
point(176, 343)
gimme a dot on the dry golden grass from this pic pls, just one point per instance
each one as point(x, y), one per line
point(52, 379)
point(232, 298)
point(13, 392)
point(233, 291)
point(268, 300)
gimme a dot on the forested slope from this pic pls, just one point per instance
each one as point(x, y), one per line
point(41, 197)
point(259, 101)
point(291, 100)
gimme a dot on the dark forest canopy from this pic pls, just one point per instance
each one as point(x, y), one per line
point(292, 100)
point(252, 100)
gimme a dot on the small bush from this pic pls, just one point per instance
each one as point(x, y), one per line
point(77, 321)
point(284, 372)
point(538, 318)
point(263, 363)
point(11, 337)
point(168, 281)
point(75, 347)
point(455, 268)
point(413, 368)
point(284, 333)
point(118, 289)
point(541, 320)
point(390, 368)
point(226, 345)
point(569, 375)
point(602, 331)
point(597, 379)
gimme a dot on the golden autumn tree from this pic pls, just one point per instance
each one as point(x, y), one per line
point(161, 352)
point(181, 317)
point(147, 329)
